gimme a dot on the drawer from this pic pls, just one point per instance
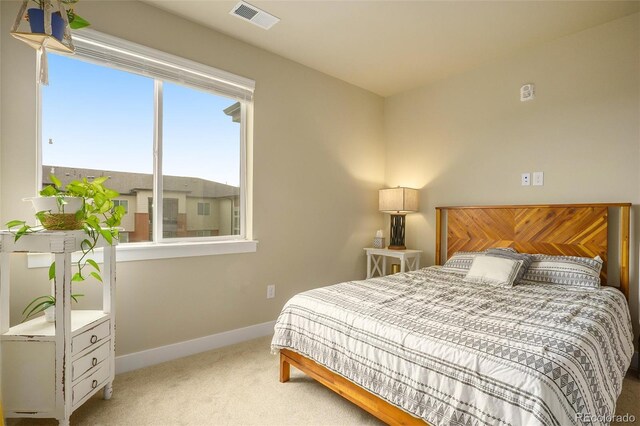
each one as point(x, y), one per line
point(90, 361)
point(91, 337)
point(85, 386)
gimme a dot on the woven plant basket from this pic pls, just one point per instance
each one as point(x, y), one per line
point(61, 222)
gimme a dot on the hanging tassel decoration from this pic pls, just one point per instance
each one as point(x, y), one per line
point(43, 66)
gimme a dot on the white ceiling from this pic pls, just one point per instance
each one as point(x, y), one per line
point(392, 46)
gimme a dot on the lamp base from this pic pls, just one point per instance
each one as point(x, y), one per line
point(397, 232)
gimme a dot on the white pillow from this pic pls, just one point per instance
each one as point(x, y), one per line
point(494, 271)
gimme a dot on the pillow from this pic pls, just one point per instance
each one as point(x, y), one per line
point(504, 249)
point(493, 270)
point(566, 270)
point(509, 253)
point(460, 262)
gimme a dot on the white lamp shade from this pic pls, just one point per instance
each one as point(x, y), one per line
point(398, 200)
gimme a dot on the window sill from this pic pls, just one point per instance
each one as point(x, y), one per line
point(150, 251)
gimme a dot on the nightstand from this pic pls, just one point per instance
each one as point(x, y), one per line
point(377, 260)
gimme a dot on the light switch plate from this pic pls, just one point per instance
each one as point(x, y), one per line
point(538, 178)
point(526, 179)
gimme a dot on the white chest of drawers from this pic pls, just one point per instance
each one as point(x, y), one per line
point(50, 369)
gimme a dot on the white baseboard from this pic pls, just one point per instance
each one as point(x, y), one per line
point(154, 356)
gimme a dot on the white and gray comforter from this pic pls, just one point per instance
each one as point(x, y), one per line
point(454, 353)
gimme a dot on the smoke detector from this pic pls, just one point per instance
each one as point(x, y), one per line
point(259, 17)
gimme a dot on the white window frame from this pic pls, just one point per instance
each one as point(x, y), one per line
point(219, 83)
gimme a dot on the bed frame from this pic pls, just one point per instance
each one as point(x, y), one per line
point(558, 229)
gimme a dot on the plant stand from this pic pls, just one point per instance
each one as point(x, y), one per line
point(51, 369)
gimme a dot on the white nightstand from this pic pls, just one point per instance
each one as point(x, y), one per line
point(377, 260)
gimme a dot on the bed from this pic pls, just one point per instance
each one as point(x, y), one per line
point(427, 347)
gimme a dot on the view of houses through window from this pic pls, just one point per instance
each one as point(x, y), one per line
point(108, 130)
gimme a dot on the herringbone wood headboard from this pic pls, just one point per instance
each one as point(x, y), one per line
point(561, 229)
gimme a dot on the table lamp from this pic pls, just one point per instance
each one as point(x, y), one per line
point(397, 202)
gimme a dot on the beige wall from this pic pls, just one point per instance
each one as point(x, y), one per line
point(319, 160)
point(466, 140)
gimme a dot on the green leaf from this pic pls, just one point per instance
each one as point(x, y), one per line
point(38, 308)
point(86, 245)
point(77, 277)
point(22, 231)
point(48, 191)
point(110, 193)
point(75, 297)
point(14, 223)
point(36, 300)
point(55, 181)
point(94, 264)
point(52, 271)
point(37, 305)
point(99, 200)
point(106, 234)
point(93, 222)
point(96, 276)
point(76, 22)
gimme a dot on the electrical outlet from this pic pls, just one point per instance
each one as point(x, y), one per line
point(538, 178)
point(271, 291)
point(526, 179)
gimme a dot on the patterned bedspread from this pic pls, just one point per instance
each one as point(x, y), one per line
point(454, 353)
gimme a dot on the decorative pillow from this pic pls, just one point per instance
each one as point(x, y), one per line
point(460, 262)
point(500, 271)
point(507, 249)
point(567, 270)
point(510, 253)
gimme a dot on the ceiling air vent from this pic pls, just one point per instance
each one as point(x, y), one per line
point(254, 15)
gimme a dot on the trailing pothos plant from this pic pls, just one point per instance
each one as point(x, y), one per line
point(98, 216)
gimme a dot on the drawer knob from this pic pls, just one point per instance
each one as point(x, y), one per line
point(94, 384)
point(94, 338)
point(94, 362)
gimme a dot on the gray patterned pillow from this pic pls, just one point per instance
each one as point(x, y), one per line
point(460, 262)
point(510, 253)
point(566, 270)
point(493, 270)
point(507, 249)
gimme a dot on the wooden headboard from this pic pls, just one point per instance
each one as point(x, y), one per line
point(557, 229)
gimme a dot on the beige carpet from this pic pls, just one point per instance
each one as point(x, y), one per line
point(237, 385)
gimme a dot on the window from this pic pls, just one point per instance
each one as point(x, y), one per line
point(123, 203)
point(160, 127)
point(204, 209)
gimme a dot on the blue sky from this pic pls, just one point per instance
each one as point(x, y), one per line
point(102, 118)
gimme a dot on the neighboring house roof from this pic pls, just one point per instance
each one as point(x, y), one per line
point(129, 183)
